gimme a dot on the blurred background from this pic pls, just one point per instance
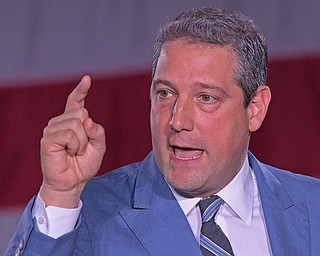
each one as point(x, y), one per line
point(47, 46)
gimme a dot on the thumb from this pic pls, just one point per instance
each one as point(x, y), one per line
point(96, 135)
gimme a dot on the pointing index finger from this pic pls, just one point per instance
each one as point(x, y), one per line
point(77, 97)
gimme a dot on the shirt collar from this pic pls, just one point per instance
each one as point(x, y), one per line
point(186, 203)
point(238, 195)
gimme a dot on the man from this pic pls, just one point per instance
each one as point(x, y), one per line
point(208, 94)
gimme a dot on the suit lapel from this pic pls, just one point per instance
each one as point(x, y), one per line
point(161, 227)
point(287, 220)
point(156, 218)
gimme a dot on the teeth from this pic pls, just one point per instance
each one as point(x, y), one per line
point(188, 158)
point(187, 154)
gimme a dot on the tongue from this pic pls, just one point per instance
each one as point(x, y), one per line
point(187, 153)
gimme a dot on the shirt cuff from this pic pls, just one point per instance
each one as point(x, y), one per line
point(54, 221)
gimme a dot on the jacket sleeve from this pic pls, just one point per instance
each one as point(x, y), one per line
point(28, 241)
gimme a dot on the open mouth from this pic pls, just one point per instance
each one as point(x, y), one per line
point(187, 154)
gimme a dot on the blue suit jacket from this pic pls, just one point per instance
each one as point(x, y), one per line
point(131, 211)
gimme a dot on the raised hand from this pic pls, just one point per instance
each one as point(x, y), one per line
point(72, 149)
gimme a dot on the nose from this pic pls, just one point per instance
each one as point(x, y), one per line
point(182, 116)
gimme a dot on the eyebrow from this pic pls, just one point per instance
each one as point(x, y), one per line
point(198, 85)
point(160, 81)
point(212, 86)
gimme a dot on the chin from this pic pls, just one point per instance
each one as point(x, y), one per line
point(183, 185)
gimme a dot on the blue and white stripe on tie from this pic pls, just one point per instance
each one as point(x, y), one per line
point(212, 246)
point(212, 239)
point(211, 210)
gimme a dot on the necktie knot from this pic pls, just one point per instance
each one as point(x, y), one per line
point(209, 207)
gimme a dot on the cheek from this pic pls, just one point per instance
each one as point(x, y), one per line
point(236, 138)
point(154, 122)
point(157, 126)
point(227, 133)
point(159, 118)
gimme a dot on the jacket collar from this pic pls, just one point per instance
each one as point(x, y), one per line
point(156, 218)
point(286, 218)
point(160, 225)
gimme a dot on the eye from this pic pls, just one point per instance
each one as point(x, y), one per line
point(207, 98)
point(164, 93)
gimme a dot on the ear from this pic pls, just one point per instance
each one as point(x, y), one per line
point(258, 106)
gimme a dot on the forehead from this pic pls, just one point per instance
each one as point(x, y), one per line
point(185, 59)
point(184, 48)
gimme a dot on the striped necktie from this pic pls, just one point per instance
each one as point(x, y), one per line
point(212, 240)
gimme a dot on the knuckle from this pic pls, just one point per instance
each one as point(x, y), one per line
point(76, 123)
point(46, 140)
point(84, 113)
point(46, 131)
point(43, 141)
point(53, 120)
point(68, 135)
point(81, 114)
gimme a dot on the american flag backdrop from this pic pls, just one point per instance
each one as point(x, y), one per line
point(47, 46)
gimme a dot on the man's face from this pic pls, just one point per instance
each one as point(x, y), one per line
point(200, 128)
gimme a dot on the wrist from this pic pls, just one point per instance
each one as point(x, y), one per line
point(63, 199)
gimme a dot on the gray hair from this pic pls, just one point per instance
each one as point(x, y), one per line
point(215, 26)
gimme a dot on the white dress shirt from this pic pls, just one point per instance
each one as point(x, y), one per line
point(240, 216)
